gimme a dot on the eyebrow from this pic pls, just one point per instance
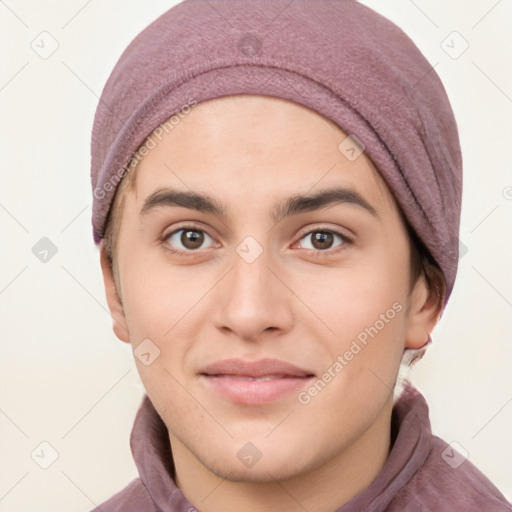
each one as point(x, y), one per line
point(292, 205)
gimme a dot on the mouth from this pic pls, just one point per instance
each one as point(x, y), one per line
point(254, 382)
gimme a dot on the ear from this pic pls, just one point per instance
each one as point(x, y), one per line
point(425, 309)
point(114, 302)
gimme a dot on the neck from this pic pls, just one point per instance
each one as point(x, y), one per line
point(324, 489)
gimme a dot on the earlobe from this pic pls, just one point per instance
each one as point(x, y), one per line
point(114, 302)
point(425, 311)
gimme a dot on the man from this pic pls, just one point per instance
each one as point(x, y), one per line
point(277, 207)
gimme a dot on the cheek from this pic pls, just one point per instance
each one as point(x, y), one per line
point(161, 309)
point(161, 318)
point(364, 308)
point(156, 294)
point(350, 299)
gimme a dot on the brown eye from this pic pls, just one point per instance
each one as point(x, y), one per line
point(187, 239)
point(323, 240)
point(192, 239)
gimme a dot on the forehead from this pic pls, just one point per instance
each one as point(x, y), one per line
point(262, 145)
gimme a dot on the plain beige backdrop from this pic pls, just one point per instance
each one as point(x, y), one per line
point(69, 389)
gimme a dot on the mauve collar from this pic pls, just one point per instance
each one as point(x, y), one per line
point(151, 451)
point(411, 436)
point(412, 442)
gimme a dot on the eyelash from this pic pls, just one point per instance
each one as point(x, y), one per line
point(345, 241)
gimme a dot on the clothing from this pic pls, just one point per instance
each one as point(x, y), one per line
point(336, 57)
point(419, 474)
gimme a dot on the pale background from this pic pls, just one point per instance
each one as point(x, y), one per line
point(67, 381)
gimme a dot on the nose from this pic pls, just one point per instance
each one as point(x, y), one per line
point(254, 301)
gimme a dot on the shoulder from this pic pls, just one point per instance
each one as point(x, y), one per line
point(133, 498)
point(448, 481)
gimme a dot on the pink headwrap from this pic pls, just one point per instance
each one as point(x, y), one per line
point(337, 57)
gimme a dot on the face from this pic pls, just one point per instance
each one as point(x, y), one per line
point(267, 277)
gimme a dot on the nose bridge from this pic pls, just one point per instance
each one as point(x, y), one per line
point(253, 299)
point(251, 276)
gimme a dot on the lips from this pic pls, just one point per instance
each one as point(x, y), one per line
point(255, 369)
point(254, 382)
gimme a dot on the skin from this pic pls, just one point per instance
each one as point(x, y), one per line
point(298, 302)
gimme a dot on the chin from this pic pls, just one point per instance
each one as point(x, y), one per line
point(268, 465)
point(261, 472)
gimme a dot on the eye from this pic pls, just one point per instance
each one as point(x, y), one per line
point(322, 240)
point(190, 238)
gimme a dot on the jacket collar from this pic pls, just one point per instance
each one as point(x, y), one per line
point(411, 443)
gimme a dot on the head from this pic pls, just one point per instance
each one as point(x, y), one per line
point(339, 289)
point(253, 231)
